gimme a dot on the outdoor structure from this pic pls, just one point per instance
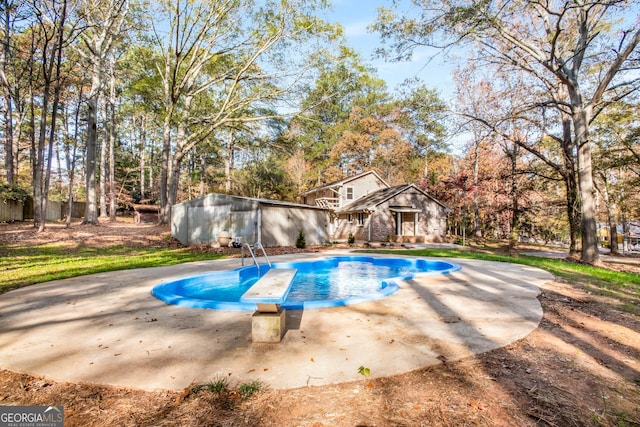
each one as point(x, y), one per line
point(247, 220)
point(363, 206)
point(628, 236)
point(400, 214)
point(367, 208)
point(146, 214)
point(337, 194)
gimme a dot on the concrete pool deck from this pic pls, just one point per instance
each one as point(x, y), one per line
point(107, 328)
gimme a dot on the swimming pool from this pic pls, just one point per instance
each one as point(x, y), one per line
point(326, 282)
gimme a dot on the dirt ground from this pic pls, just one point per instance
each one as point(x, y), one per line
point(580, 367)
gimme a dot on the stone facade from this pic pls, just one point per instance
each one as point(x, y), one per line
point(411, 215)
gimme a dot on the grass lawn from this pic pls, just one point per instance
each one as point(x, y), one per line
point(27, 265)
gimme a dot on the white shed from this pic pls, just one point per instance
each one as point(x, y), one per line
point(269, 222)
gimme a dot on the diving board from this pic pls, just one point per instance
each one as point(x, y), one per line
point(269, 293)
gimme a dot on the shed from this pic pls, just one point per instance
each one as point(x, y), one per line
point(146, 214)
point(252, 220)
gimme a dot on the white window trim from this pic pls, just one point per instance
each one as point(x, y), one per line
point(346, 192)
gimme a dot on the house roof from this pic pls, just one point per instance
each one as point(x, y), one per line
point(344, 181)
point(278, 202)
point(370, 201)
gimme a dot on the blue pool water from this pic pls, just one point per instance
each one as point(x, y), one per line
point(326, 282)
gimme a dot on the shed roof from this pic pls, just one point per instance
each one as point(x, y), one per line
point(228, 197)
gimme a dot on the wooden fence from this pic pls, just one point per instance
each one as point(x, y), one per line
point(16, 211)
point(11, 211)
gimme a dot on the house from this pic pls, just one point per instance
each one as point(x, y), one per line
point(628, 236)
point(367, 208)
point(340, 193)
point(249, 220)
point(363, 206)
point(603, 234)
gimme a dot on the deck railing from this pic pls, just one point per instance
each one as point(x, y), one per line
point(328, 202)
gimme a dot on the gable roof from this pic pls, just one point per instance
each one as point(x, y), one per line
point(344, 181)
point(370, 201)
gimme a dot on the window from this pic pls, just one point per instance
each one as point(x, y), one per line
point(349, 193)
point(360, 216)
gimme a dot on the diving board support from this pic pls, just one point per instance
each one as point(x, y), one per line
point(269, 293)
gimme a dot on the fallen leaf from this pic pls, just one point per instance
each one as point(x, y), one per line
point(476, 405)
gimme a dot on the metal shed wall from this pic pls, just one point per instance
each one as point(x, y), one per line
point(199, 221)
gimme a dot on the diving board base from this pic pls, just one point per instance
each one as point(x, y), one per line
point(268, 326)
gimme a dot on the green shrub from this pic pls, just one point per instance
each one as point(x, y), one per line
point(351, 240)
point(301, 243)
point(11, 192)
point(217, 386)
point(246, 390)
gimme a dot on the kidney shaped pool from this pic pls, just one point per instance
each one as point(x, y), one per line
point(326, 282)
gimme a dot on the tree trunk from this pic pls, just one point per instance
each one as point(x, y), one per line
point(39, 204)
point(228, 163)
point(112, 143)
point(571, 185)
point(174, 180)
point(476, 208)
point(515, 206)
point(165, 207)
point(54, 108)
point(91, 209)
point(143, 144)
point(613, 221)
point(71, 162)
point(8, 121)
point(203, 168)
point(590, 253)
point(573, 212)
point(8, 141)
point(103, 169)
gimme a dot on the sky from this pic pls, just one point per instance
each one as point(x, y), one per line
point(355, 16)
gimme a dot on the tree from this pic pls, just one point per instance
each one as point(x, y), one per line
point(573, 45)
point(232, 53)
point(492, 107)
point(614, 162)
point(105, 21)
point(420, 118)
point(10, 13)
point(51, 36)
point(343, 84)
